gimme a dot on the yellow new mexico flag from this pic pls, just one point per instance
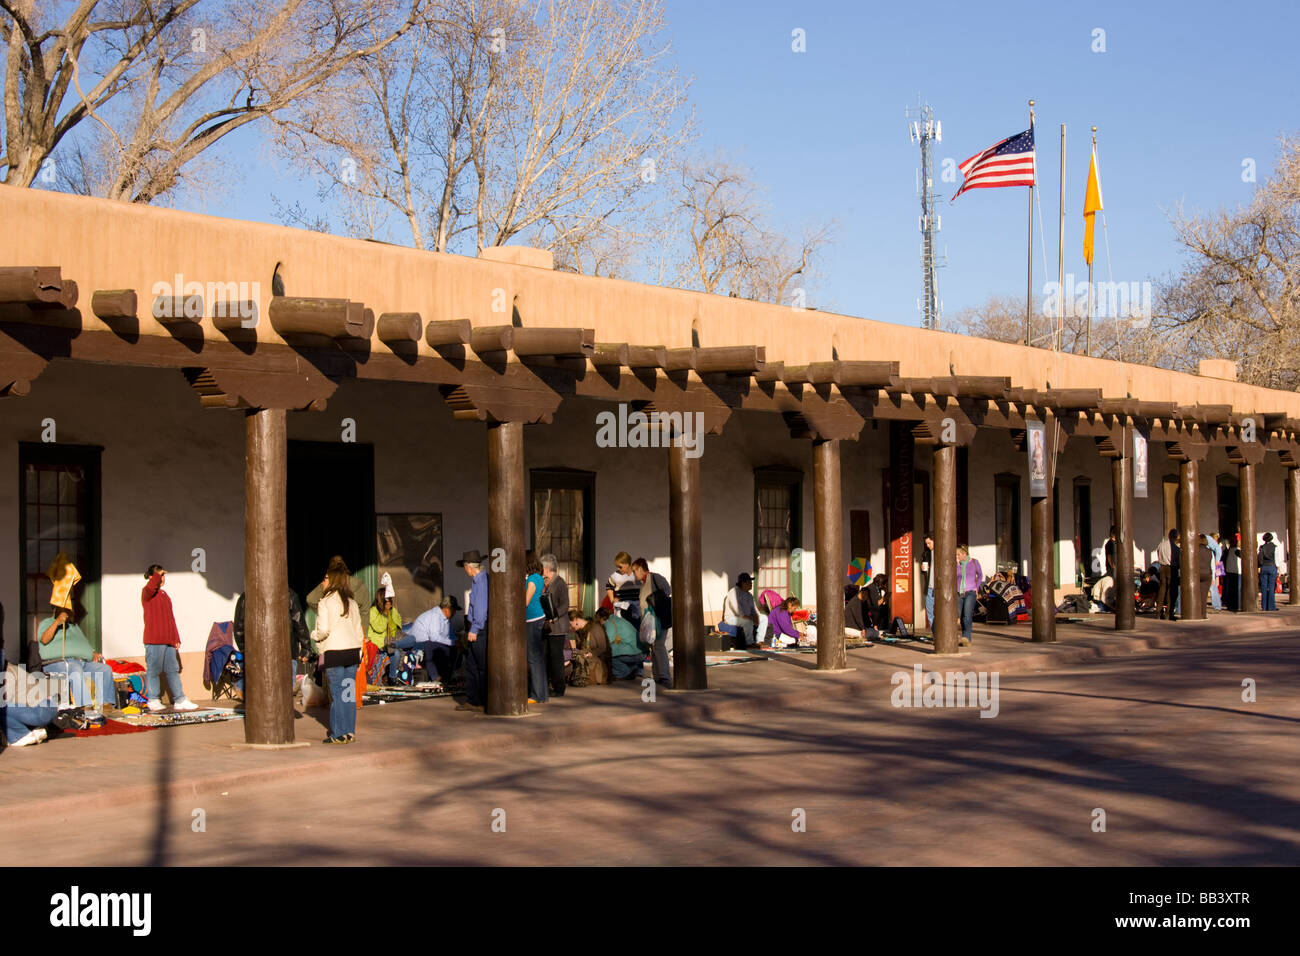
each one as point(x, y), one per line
point(1091, 206)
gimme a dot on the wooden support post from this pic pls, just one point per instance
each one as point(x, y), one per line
point(945, 624)
point(1121, 480)
point(268, 691)
point(685, 548)
point(1191, 592)
point(1293, 531)
point(507, 650)
point(829, 522)
point(1042, 558)
point(1249, 545)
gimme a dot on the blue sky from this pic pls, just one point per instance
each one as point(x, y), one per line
point(1183, 93)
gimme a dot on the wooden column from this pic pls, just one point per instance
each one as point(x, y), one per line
point(507, 651)
point(1121, 479)
point(1193, 595)
point(1042, 558)
point(1249, 545)
point(829, 518)
point(686, 548)
point(945, 548)
point(268, 691)
point(1292, 481)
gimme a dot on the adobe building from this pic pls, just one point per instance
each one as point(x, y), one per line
point(160, 402)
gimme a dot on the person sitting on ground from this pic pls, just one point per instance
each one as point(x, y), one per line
point(857, 620)
point(385, 621)
point(65, 649)
point(1103, 593)
point(878, 602)
point(627, 650)
point(24, 722)
point(739, 615)
point(784, 633)
point(1148, 589)
point(592, 647)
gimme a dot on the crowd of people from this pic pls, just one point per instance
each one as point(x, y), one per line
point(565, 646)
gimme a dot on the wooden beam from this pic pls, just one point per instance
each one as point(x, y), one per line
point(679, 360)
point(491, 338)
point(31, 285)
point(448, 332)
point(685, 547)
point(293, 316)
point(401, 329)
point(737, 359)
point(646, 356)
point(610, 354)
point(560, 343)
point(507, 649)
point(828, 510)
point(110, 304)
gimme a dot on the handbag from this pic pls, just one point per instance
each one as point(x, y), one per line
point(548, 606)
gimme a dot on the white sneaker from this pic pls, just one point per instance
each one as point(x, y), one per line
point(31, 738)
point(155, 706)
point(186, 704)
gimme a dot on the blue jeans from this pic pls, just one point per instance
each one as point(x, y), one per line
point(627, 665)
point(162, 659)
point(20, 720)
point(1216, 600)
point(538, 683)
point(91, 682)
point(439, 660)
point(343, 700)
point(1267, 583)
point(966, 602)
point(929, 607)
point(406, 643)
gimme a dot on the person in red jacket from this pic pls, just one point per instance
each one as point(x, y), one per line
point(161, 644)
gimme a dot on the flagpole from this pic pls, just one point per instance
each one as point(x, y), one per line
point(1060, 257)
point(1029, 283)
point(1088, 335)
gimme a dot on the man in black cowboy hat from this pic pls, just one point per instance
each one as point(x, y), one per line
point(477, 624)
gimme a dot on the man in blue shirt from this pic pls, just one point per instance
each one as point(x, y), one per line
point(477, 622)
point(432, 631)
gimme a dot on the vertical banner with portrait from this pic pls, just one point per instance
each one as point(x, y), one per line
point(1139, 464)
point(1036, 444)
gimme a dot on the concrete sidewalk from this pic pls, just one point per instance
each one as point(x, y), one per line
point(68, 777)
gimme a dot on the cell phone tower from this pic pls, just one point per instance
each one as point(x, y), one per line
point(926, 131)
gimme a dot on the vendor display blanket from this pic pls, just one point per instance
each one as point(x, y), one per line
point(383, 695)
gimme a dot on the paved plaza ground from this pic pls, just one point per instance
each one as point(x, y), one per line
point(1149, 727)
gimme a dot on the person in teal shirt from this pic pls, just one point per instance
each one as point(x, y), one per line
point(65, 649)
point(627, 653)
point(535, 620)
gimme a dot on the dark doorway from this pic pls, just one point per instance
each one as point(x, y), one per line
point(1228, 514)
point(1083, 530)
point(331, 510)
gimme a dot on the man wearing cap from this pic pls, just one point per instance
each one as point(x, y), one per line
point(739, 615)
point(477, 623)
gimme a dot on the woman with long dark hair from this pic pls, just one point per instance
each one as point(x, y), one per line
point(534, 584)
point(339, 634)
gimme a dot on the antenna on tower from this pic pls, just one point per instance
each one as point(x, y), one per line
point(924, 130)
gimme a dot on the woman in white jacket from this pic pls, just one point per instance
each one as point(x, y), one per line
point(339, 633)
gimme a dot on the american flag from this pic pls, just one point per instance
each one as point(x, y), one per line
point(1008, 163)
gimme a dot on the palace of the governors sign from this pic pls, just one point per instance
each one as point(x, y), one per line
point(297, 388)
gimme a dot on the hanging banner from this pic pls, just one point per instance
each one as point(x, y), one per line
point(899, 509)
point(1139, 464)
point(1036, 443)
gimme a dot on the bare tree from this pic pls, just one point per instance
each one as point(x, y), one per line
point(1238, 296)
point(727, 243)
point(497, 119)
point(165, 83)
